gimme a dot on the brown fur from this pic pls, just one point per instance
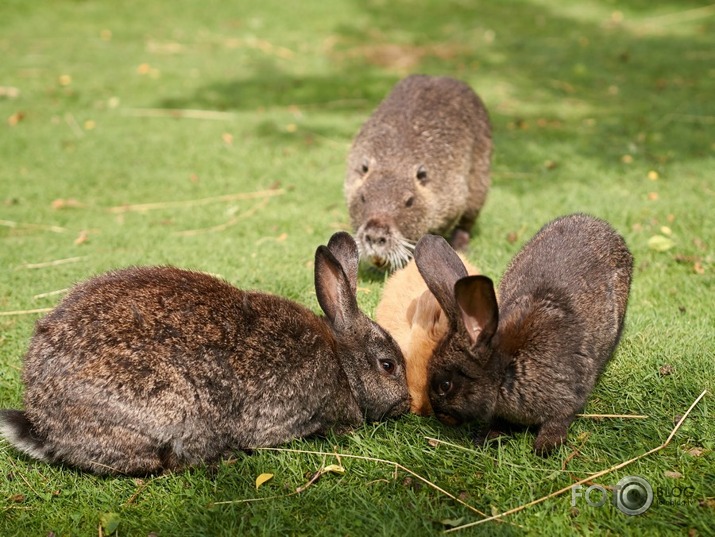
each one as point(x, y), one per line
point(156, 368)
point(414, 318)
point(420, 164)
point(535, 358)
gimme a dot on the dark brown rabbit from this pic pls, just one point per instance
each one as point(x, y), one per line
point(535, 358)
point(149, 369)
point(420, 164)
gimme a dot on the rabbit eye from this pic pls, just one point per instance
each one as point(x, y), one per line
point(445, 387)
point(409, 201)
point(364, 168)
point(362, 198)
point(388, 366)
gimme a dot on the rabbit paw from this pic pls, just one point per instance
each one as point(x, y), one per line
point(552, 434)
point(490, 432)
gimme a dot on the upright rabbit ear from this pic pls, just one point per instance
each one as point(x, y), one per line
point(440, 268)
point(345, 250)
point(334, 290)
point(478, 304)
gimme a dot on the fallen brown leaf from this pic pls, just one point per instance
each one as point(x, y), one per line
point(666, 370)
point(695, 451)
point(69, 203)
point(82, 237)
point(681, 258)
point(15, 118)
point(672, 474)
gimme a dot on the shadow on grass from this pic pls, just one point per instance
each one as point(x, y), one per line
point(342, 92)
point(633, 81)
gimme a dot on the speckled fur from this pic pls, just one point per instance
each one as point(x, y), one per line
point(149, 369)
point(535, 359)
point(434, 124)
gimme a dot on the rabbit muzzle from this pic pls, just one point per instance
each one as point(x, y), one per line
point(448, 419)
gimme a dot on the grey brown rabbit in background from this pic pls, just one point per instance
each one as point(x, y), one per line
point(535, 358)
point(149, 369)
point(420, 164)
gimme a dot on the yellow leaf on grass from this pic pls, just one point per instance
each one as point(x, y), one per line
point(261, 479)
point(659, 243)
point(334, 468)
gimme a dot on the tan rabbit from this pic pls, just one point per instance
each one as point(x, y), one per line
point(414, 318)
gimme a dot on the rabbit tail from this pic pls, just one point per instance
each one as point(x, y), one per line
point(17, 429)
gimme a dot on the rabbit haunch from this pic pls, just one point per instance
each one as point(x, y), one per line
point(149, 369)
point(535, 358)
point(420, 164)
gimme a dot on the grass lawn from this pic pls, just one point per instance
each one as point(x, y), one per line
point(602, 106)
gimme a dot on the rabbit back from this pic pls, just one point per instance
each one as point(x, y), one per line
point(584, 266)
point(563, 301)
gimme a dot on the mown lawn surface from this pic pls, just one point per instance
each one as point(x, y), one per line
point(598, 106)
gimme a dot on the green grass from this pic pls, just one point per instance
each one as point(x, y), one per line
point(598, 106)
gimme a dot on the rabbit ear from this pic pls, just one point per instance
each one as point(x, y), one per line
point(345, 250)
point(440, 268)
point(478, 304)
point(335, 294)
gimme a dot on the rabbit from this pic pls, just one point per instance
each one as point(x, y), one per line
point(152, 369)
point(414, 318)
point(534, 359)
point(420, 164)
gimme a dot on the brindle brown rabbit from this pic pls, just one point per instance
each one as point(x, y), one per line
point(535, 359)
point(149, 369)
